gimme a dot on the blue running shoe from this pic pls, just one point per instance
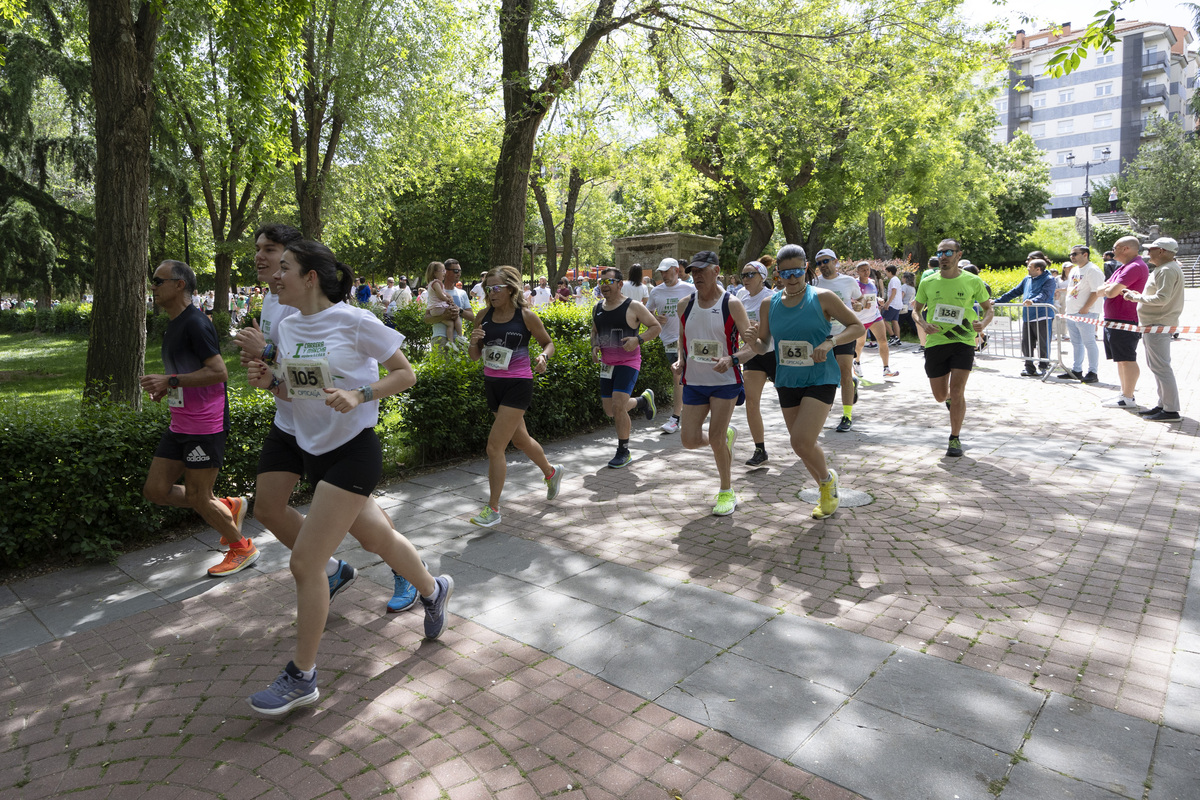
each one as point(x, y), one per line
point(339, 580)
point(404, 598)
point(435, 610)
point(289, 691)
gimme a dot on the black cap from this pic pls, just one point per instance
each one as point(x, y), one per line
point(703, 259)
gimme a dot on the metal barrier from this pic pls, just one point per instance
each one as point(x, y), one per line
point(1005, 335)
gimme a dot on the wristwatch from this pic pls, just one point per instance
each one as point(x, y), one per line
point(173, 381)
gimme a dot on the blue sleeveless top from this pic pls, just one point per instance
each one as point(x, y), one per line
point(805, 322)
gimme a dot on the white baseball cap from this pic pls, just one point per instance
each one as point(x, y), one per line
point(666, 264)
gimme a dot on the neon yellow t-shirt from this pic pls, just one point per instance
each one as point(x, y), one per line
point(949, 303)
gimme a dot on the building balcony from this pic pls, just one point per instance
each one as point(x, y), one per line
point(1023, 82)
point(1153, 62)
point(1024, 114)
point(1154, 94)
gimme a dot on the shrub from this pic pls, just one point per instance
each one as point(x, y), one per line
point(1104, 236)
point(76, 479)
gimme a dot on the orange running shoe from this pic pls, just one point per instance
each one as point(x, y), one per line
point(237, 506)
point(236, 559)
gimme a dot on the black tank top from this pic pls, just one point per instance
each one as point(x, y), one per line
point(612, 326)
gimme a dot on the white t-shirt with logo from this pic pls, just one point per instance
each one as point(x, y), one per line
point(753, 305)
point(1082, 283)
point(664, 301)
point(273, 313)
point(843, 286)
point(896, 285)
point(340, 348)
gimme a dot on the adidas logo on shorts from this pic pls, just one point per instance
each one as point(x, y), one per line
point(197, 454)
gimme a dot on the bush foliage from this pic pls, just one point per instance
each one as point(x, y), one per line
point(76, 477)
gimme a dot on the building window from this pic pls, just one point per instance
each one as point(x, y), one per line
point(1062, 157)
point(1101, 121)
point(1066, 96)
point(1098, 153)
point(1002, 105)
point(1037, 131)
point(1104, 89)
point(1063, 188)
point(1039, 101)
point(1066, 126)
point(1104, 58)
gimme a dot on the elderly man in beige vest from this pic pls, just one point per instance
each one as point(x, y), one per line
point(1160, 303)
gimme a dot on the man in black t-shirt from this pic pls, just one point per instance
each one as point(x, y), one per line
point(194, 444)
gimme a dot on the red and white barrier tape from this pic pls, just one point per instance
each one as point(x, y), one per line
point(1125, 326)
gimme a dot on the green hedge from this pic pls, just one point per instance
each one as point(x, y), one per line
point(75, 480)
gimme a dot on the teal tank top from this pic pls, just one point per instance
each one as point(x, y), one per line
point(797, 331)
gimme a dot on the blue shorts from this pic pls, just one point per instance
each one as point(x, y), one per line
point(623, 379)
point(700, 395)
point(891, 314)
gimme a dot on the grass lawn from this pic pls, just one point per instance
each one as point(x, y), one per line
point(49, 369)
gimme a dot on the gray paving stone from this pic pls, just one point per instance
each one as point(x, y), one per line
point(616, 587)
point(1028, 781)
point(1107, 458)
point(1028, 448)
point(22, 631)
point(1175, 467)
point(1182, 708)
point(884, 756)
point(407, 517)
point(985, 708)
point(1104, 747)
point(451, 503)
point(173, 564)
point(705, 614)
point(476, 590)
point(83, 612)
point(533, 562)
point(1185, 668)
point(67, 583)
point(452, 478)
point(1176, 766)
point(10, 604)
point(772, 710)
point(832, 657)
point(637, 656)
point(546, 619)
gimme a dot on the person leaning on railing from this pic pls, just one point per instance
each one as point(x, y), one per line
point(1037, 292)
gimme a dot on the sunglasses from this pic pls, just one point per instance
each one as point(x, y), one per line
point(499, 287)
point(750, 275)
point(789, 274)
point(607, 281)
point(160, 281)
point(824, 261)
point(941, 253)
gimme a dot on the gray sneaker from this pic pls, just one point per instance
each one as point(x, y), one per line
point(552, 483)
point(435, 610)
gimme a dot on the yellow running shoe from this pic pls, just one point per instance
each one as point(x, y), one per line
point(236, 559)
point(829, 497)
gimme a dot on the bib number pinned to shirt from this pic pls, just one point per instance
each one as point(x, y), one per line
point(497, 357)
point(606, 371)
point(175, 397)
point(796, 354)
point(308, 378)
point(706, 351)
point(949, 315)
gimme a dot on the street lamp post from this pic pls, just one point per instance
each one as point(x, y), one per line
point(1086, 197)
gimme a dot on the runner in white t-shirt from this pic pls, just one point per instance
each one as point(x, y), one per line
point(330, 354)
point(663, 304)
point(848, 289)
point(755, 372)
point(871, 319)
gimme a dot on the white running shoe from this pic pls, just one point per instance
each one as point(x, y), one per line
point(671, 425)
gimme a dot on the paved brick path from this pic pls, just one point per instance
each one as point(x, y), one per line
point(1056, 554)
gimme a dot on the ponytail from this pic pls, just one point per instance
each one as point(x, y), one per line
point(335, 278)
point(346, 282)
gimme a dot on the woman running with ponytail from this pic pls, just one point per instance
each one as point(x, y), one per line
point(330, 353)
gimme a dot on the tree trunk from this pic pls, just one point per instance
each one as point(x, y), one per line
point(762, 226)
point(539, 193)
point(792, 232)
point(122, 52)
point(824, 219)
point(574, 184)
point(510, 192)
point(877, 233)
point(915, 251)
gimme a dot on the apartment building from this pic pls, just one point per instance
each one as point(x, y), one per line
point(1106, 103)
